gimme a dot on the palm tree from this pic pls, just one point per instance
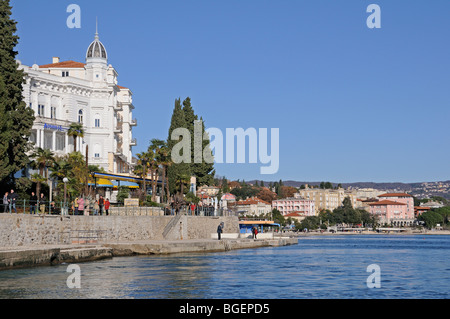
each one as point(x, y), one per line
point(142, 168)
point(159, 149)
point(75, 130)
point(43, 158)
point(165, 161)
point(183, 179)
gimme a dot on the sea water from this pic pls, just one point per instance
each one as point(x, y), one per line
point(332, 267)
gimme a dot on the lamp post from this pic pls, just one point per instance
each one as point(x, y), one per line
point(65, 180)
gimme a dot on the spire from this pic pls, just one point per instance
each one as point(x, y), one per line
point(96, 28)
point(96, 49)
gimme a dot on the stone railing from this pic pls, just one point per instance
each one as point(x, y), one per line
point(136, 211)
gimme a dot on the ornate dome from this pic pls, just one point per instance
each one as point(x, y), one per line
point(96, 49)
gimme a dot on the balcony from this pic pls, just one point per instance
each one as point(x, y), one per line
point(119, 128)
point(118, 106)
point(133, 142)
point(133, 122)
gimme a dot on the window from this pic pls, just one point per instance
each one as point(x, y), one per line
point(97, 122)
point(53, 112)
point(97, 155)
point(41, 109)
point(80, 116)
point(65, 74)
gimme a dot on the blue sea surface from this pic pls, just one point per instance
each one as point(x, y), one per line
point(319, 267)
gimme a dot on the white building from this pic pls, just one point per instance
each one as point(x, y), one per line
point(62, 93)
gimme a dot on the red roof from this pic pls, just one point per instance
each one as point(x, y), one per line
point(386, 202)
point(295, 214)
point(122, 87)
point(395, 195)
point(252, 201)
point(63, 65)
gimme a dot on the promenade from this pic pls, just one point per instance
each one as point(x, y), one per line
point(50, 255)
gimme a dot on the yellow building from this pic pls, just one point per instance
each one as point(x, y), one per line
point(327, 198)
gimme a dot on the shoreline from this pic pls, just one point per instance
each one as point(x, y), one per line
point(52, 255)
point(403, 233)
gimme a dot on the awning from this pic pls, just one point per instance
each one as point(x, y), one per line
point(101, 182)
point(117, 177)
point(125, 184)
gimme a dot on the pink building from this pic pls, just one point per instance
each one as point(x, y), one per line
point(305, 207)
point(396, 209)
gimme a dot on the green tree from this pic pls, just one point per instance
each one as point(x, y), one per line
point(75, 130)
point(176, 169)
point(122, 194)
point(43, 159)
point(141, 169)
point(431, 219)
point(16, 118)
point(204, 172)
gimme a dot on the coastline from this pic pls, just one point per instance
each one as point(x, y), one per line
point(52, 255)
point(403, 233)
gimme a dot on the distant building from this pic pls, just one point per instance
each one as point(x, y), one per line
point(419, 210)
point(253, 206)
point(432, 204)
point(302, 206)
point(396, 209)
point(327, 198)
point(208, 190)
point(367, 193)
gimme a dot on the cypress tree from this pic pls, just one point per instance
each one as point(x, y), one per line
point(175, 171)
point(16, 119)
point(204, 172)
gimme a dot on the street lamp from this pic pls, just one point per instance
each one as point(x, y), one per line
point(65, 180)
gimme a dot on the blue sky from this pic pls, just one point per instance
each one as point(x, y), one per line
point(352, 104)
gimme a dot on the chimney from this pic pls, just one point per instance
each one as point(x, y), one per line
point(55, 60)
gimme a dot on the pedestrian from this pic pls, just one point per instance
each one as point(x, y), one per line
point(75, 205)
point(33, 202)
point(101, 203)
point(42, 203)
point(5, 202)
point(12, 201)
point(96, 207)
point(220, 231)
point(107, 205)
point(87, 204)
point(254, 232)
point(81, 206)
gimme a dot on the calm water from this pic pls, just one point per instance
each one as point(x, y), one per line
point(416, 267)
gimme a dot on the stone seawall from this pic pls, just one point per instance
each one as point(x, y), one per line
point(25, 230)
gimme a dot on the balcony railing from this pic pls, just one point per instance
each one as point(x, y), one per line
point(133, 122)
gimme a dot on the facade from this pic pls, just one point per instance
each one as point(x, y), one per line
point(62, 93)
point(302, 206)
point(396, 209)
point(327, 198)
point(208, 190)
point(253, 206)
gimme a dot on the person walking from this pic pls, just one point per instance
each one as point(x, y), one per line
point(101, 203)
point(220, 231)
point(107, 205)
point(12, 201)
point(96, 207)
point(5, 202)
point(81, 206)
point(254, 232)
point(87, 207)
point(42, 203)
point(75, 206)
point(33, 203)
